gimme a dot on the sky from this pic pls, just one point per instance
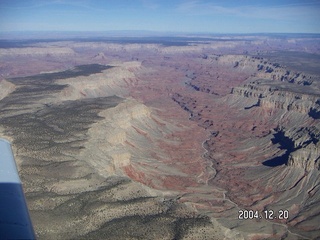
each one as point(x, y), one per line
point(189, 16)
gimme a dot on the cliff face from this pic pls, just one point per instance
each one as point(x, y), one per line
point(284, 96)
point(301, 145)
point(298, 104)
point(307, 158)
point(114, 81)
point(263, 68)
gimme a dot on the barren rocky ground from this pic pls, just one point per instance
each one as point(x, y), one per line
point(151, 141)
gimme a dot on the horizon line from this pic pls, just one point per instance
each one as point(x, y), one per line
point(145, 33)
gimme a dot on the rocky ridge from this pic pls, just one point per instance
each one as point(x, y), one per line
point(287, 98)
point(115, 81)
point(263, 68)
point(275, 95)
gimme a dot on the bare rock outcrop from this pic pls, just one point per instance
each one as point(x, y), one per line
point(307, 158)
point(263, 68)
point(99, 56)
point(5, 88)
point(300, 103)
point(114, 81)
point(271, 94)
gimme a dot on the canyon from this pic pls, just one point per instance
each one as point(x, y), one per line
point(118, 140)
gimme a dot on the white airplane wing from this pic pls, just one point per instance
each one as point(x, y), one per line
point(15, 222)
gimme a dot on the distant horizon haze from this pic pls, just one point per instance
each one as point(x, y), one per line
point(175, 16)
point(140, 34)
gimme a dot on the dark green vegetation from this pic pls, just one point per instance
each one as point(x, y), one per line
point(159, 226)
point(51, 125)
point(32, 89)
point(82, 70)
point(48, 132)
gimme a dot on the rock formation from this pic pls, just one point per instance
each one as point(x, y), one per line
point(5, 88)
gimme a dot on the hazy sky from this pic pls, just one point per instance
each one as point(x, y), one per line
point(216, 16)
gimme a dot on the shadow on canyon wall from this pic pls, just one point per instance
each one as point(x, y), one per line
point(284, 143)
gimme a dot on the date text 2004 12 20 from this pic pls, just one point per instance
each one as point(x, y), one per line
point(266, 214)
